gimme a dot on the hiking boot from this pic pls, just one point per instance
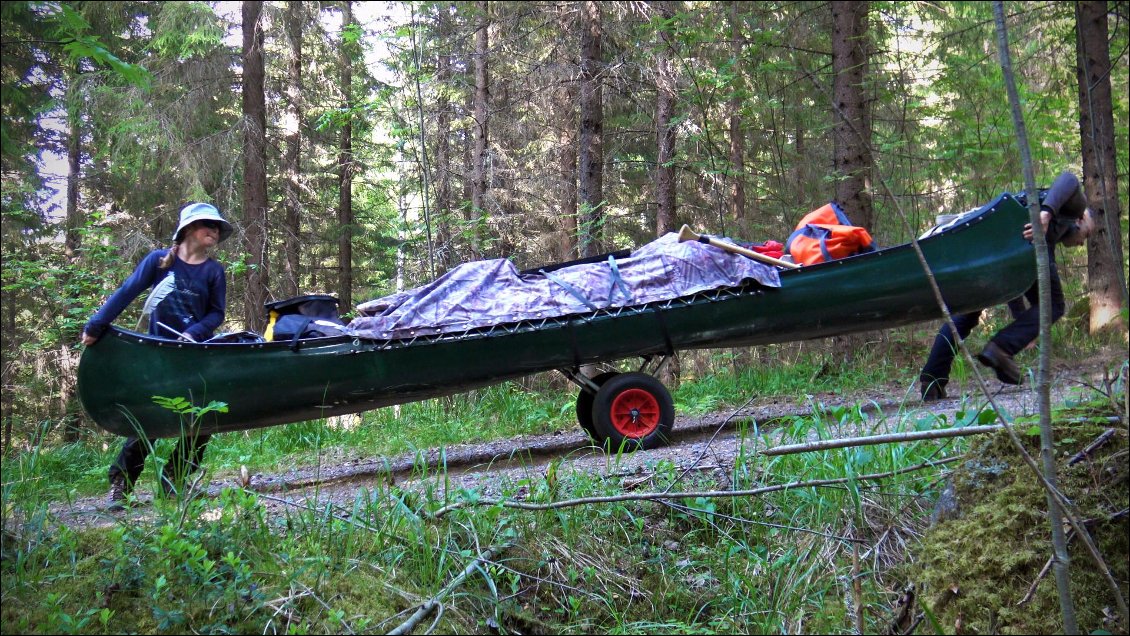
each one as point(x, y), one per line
point(1002, 363)
point(118, 497)
point(933, 391)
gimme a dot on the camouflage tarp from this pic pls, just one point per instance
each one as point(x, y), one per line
point(494, 292)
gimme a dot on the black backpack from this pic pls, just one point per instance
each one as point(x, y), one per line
point(301, 317)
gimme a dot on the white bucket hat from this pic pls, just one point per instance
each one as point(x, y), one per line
point(194, 212)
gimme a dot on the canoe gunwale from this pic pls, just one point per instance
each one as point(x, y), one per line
point(506, 329)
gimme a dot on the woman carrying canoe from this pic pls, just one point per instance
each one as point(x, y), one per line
point(187, 299)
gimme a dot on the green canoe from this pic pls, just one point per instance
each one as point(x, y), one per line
point(980, 262)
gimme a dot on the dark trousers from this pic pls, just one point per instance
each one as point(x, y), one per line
point(1021, 332)
point(184, 461)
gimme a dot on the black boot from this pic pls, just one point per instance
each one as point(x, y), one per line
point(1002, 363)
point(933, 391)
point(118, 497)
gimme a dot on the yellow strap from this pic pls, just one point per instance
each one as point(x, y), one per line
point(269, 336)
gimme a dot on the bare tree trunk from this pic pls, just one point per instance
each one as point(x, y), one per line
point(71, 239)
point(481, 114)
point(68, 356)
point(591, 151)
point(254, 166)
point(801, 173)
point(851, 130)
point(741, 356)
point(292, 124)
point(566, 106)
point(567, 176)
point(1106, 279)
point(425, 186)
point(664, 131)
point(345, 169)
point(445, 247)
point(665, 176)
point(468, 176)
point(737, 147)
point(851, 135)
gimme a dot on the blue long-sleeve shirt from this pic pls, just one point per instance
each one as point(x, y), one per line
point(194, 297)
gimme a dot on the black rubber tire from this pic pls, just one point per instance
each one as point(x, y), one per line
point(633, 411)
point(584, 406)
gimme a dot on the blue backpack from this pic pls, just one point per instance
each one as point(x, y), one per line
point(302, 317)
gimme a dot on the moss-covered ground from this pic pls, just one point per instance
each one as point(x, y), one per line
point(981, 571)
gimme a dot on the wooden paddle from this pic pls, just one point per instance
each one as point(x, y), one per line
point(687, 234)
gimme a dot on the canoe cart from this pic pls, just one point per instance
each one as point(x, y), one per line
point(979, 261)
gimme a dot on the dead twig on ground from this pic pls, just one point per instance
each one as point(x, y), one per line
point(434, 603)
point(869, 440)
point(1051, 560)
point(1092, 447)
point(656, 496)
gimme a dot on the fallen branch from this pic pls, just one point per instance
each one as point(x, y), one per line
point(910, 436)
point(1092, 447)
point(658, 496)
point(1051, 560)
point(1043, 573)
point(433, 603)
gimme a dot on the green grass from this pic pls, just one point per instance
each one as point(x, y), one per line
point(781, 562)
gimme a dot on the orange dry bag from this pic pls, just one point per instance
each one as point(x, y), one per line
point(825, 235)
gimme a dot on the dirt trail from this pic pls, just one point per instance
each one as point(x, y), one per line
point(705, 443)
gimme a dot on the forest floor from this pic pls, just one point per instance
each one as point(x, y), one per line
point(706, 444)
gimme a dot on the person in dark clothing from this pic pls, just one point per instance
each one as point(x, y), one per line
point(188, 293)
point(1065, 220)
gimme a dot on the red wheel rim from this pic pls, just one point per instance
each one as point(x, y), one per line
point(635, 413)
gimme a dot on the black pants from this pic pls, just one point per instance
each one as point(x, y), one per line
point(1021, 332)
point(184, 461)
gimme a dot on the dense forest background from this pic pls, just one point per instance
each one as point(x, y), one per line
point(362, 148)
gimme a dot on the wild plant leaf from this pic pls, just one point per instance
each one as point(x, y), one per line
point(986, 417)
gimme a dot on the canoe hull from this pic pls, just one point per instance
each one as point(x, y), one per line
point(978, 264)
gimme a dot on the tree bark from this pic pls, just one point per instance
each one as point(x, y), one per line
point(444, 244)
point(566, 119)
point(852, 129)
point(292, 125)
point(481, 115)
point(664, 131)
point(345, 167)
point(737, 145)
point(1105, 277)
point(254, 167)
point(665, 175)
point(567, 176)
point(425, 169)
point(591, 149)
point(68, 356)
point(468, 177)
point(71, 239)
